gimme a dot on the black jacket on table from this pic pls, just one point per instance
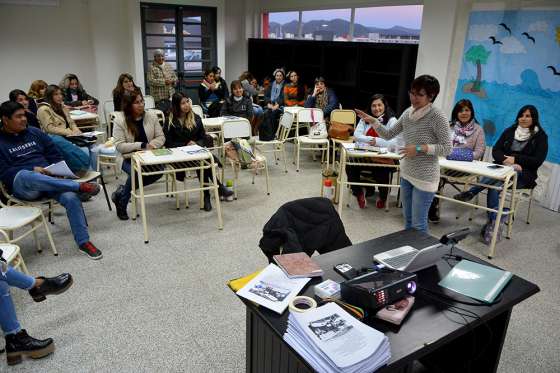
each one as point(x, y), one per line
point(530, 158)
point(304, 225)
point(177, 135)
point(82, 96)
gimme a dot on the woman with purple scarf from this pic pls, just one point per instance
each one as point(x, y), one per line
point(466, 133)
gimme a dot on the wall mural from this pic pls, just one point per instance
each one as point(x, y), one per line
point(510, 59)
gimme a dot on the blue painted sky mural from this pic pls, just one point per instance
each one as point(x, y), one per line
point(510, 59)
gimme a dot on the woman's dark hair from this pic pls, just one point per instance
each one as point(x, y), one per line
point(15, 93)
point(235, 84)
point(534, 115)
point(127, 101)
point(464, 103)
point(8, 108)
point(119, 88)
point(388, 114)
point(176, 112)
point(246, 75)
point(49, 93)
point(320, 79)
point(427, 83)
point(215, 69)
point(208, 72)
point(176, 104)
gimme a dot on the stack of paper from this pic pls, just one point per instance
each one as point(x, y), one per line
point(273, 289)
point(331, 340)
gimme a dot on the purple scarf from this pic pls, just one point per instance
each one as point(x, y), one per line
point(461, 132)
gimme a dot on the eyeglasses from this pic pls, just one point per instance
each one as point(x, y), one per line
point(416, 94)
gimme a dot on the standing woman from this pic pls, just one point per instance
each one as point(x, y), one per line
point(366, 134)
point(183, 128)
point(124, 84)
point(294, 91)
point(135, 129)
point(426, 134)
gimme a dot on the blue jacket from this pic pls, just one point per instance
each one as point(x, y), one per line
point(30, 148)
point(331, 105)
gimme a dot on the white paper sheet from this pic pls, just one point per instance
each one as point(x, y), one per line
point(61, 169)
point(272, 289)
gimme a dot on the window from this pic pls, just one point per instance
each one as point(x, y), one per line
point(187, 36)
point(393, 24)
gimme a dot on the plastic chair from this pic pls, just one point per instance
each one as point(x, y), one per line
point(346, 117)
point(197, 109)
point(278, 144)
point(308, 116)
point(240, 128)
point(14, 218)
point(12, 255)
point(149, 102)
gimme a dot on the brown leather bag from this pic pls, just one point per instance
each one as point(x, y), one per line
point(340, 131)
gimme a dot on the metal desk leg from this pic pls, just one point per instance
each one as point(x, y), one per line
point(339, 181)
point(216, 194)
point(133, 184)
point(492, 249)
point(143, 206)
point(512, 205)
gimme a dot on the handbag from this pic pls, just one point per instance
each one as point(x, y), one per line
point(340, 131)
point(317, 130)
point(82, 141)
point(461, 154)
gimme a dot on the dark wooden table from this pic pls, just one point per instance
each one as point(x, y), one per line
point(432, 333)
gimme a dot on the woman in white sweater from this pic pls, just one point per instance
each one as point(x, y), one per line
point(135, 129)
point(366, 134)
point(426, 134)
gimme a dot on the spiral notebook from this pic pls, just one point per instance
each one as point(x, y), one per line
point(476, 280)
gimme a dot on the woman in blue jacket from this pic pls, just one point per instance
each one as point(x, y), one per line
point(322, 98)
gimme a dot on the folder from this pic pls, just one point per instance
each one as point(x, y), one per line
point(476, 280)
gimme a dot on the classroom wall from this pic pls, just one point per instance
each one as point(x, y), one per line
point(45, 42)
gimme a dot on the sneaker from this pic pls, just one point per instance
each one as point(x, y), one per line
point(91, 189)
point(380, 203)
point(361, 200)
point(464, 196)
point(91, 251)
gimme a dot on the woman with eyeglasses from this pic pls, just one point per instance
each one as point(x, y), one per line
point(184, 127)
point(426, 134)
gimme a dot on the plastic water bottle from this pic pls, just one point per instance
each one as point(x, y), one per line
point(229, 186)
point(328, 189)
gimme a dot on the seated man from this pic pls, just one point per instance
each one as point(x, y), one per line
point(24, 154)
point(18, 342)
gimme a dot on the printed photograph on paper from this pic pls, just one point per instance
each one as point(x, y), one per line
point(330, 327)
point(269, 291)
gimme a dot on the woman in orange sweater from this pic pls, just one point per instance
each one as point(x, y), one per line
point(294, 92)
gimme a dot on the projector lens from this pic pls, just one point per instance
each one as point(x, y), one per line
point(411, 287)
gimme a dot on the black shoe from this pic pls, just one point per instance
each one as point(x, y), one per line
point(464, 196)
point(370, 191)
point(51, 285)
point(22, 344)
point(207, 204)
point(224, 192)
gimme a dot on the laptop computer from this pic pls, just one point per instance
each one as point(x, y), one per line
point(409, 259)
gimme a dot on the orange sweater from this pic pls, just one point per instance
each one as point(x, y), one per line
point(291, 96)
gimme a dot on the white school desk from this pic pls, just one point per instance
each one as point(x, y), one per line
point(146, 163)
point(84, 119)
point(506, 174)
point(351, 157)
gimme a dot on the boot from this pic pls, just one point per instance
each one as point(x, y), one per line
point(22, 344)
point(51, 285)
point(207, 204)
point(223, 191)
point(433, 212)
point(120, 204)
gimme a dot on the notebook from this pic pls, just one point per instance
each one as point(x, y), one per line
point(159, 152)
point(297, 265)
point(409, 259)
point(476, 280)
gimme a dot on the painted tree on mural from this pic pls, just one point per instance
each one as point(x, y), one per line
point(477, 55)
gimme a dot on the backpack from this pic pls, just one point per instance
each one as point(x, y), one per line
point(269, 126)
point(76, 159)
